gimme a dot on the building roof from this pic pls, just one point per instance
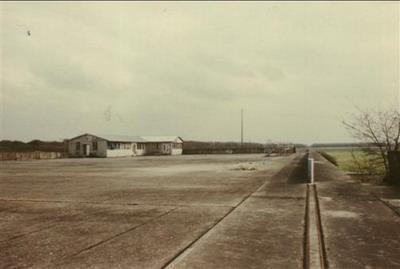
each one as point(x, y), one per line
point(139, 139)
point(122, 138)
point(153, 138)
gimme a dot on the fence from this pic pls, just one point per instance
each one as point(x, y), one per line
point(223, 151)
point(25, 156)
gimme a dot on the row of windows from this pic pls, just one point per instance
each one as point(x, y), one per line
point(78, 146)
point(140, 146)
point(153, 145)
point(128, 146)
point(119, 146)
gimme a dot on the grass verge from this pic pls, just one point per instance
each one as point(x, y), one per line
point(359, 164)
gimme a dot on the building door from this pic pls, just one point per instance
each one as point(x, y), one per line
point(86, 149)
point(134, 148)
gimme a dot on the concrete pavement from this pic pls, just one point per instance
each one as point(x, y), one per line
point(265, 231)
point(359, 230)
point(191, 212)
point(120, 213)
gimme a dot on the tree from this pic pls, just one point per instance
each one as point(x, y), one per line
point(381, 130)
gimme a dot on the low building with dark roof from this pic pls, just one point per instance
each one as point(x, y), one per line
point(89, 145)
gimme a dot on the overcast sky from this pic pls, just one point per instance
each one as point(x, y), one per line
point(160, 68)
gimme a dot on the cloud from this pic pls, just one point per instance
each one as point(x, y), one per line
point(188, 68)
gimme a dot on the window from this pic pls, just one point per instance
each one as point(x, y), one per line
point(94, 145)
point(177, 145)
point(78, 146)
point(112, 145)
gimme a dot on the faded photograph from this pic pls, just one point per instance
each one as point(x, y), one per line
point(190, 134)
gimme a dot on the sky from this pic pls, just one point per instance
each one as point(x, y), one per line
point(297, 69)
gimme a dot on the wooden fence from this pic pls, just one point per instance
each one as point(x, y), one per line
point(35, 155)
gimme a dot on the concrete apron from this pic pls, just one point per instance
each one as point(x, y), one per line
point(359, 230)
point(265, 231)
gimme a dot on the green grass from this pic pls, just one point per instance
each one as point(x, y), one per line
point(365, 164)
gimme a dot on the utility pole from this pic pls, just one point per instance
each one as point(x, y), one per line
point(241, 127)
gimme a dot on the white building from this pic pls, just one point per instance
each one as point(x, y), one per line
point(118, 146)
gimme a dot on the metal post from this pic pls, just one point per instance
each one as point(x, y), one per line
point(241, 127)
point(311, 170)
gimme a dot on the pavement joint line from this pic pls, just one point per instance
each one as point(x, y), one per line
point(322, 258)
point(57, 222)
point(323, 252)
point(121, 233)
point(51, 201)
point(278, 197)
point(28, 233)
point(104, 203)
point(184, 205)
point(314, 254)
point(170, 261)
point(207, 231)
point(387, 204)
point(306, 238)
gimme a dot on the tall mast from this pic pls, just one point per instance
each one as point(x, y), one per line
point(241, 127)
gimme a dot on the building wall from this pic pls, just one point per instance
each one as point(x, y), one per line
point(102, 149)
point(118, 149)
point(119, 152)
point(177, 148)
point(158, 148)
point(87, 140)
point(176, 152)
point(140, 149)
point(166, 148)
point(153, 148)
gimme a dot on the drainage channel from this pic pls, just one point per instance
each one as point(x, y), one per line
point(314, 249)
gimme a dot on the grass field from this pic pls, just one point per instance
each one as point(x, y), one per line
point(355, 160)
